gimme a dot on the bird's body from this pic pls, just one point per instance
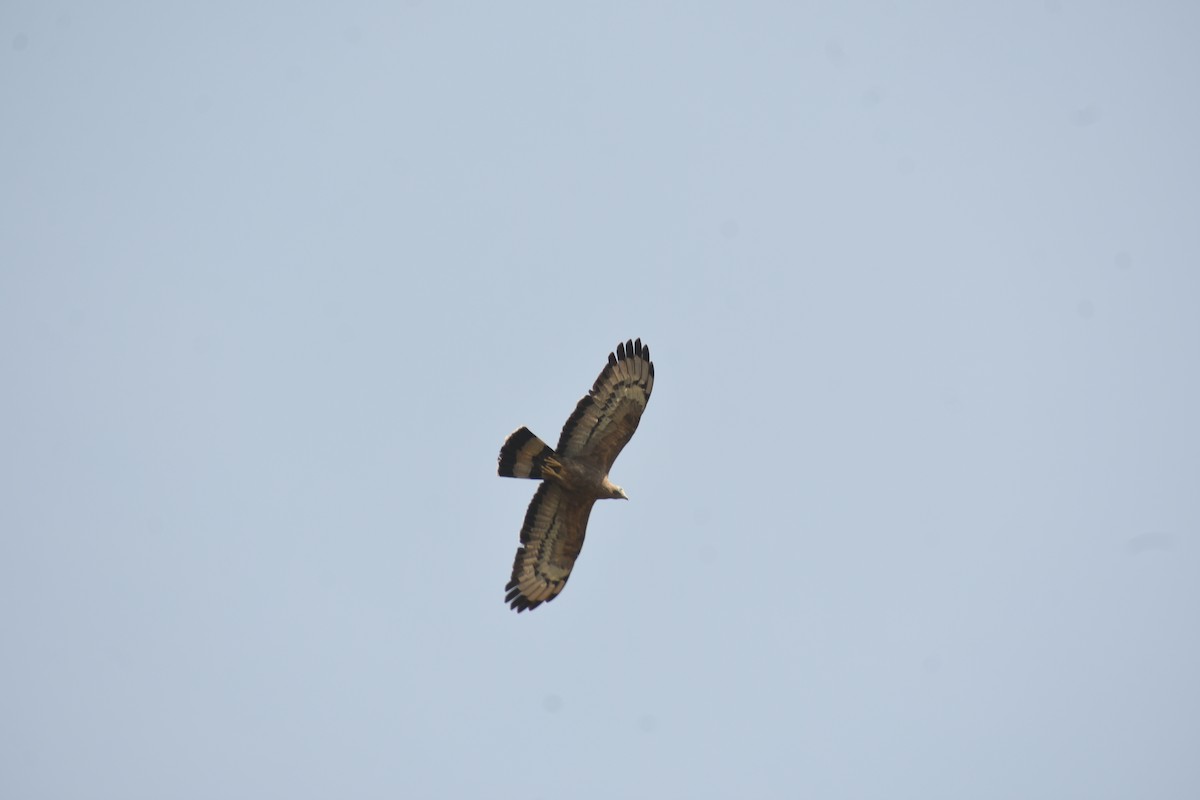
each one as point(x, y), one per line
point(574, 475)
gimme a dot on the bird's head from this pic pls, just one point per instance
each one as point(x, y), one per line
point(614, 492)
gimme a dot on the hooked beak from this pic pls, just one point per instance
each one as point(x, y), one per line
point(622, 494)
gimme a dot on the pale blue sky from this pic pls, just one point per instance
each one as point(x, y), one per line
point(915, 508)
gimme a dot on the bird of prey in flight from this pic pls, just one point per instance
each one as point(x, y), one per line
point(574, 475)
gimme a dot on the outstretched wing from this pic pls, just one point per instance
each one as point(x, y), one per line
point(551, 539)
point(605, 419)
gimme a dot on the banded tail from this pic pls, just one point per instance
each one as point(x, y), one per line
point(526, 456)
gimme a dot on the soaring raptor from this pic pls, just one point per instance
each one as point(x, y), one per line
point(574, 475)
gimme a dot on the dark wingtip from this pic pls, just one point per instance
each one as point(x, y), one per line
point(520, 603)
point(517, 601)
point(612, 359)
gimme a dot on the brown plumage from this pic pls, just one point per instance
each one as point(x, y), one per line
point(574, 475)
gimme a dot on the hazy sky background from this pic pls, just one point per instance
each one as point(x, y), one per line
point(916, 503)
